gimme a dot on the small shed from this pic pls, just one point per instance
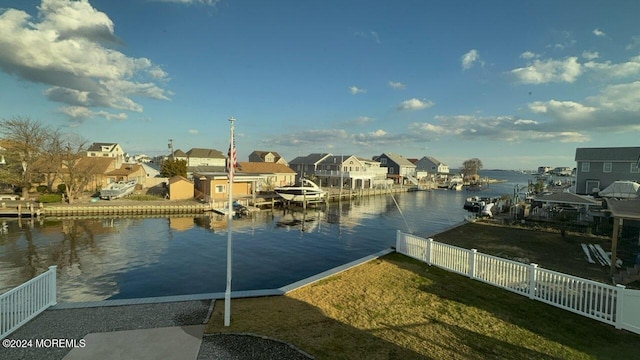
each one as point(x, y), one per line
point(180, 188)
point(621, 210)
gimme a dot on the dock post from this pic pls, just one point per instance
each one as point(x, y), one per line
point(19, 211)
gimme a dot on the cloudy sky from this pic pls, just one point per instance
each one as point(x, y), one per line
point(518, 84)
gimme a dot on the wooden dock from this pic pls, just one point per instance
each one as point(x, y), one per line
point(19, 210)
point(121, 209)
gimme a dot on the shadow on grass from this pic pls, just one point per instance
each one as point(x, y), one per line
point(570, 330)
point(305, 327)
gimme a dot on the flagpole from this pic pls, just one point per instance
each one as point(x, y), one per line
point(230, 174)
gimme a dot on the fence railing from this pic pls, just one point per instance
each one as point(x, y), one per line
point(19, 305)
point(610, 304)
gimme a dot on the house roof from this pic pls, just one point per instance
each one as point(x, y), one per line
point(179, 153)
point(434, 160)
point(205, 153)
point(625, 209)
point(566, 198)
point(309, 159)
point(263, 168)
point(398, 159)
point(206, 169)
point(335, 159)
point(262, 154)
point(628, 154)
point(96, 165)
point(125, 169)
point(98, 146)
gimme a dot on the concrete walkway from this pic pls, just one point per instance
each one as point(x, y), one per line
point(170, 330)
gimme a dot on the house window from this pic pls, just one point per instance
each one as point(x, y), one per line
point(606, 167)
point(383, 161)
point(634, 168)
point(586, 167)
point(220, 189)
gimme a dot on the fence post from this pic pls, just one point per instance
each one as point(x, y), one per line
point(52, 285)
point(620, 290)
point(472, 263)
point(398, 237)
point(428, 251)
point(532, 280)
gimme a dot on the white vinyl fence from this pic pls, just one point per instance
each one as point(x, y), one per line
point(19, 305)
point(613, 305)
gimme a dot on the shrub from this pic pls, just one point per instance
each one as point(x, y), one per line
point(50, 198)
point(42, 189)
point(62, 188)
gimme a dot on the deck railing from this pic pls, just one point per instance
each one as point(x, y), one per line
point(610, 304)
point(19, 305)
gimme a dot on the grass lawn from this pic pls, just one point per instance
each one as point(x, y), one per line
point(398, 308)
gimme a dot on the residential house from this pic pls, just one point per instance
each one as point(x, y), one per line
point(431, 165)
point(399, 168)
point(107, 150)
point(271, 174)
point(205, 157)
point(180, 188)
point(127, 172)
point(214, 186)
point(266, 156)
point(597, 168)
point(305, 166)
point(352, 171)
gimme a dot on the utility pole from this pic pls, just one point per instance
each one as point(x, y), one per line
point(171, 147)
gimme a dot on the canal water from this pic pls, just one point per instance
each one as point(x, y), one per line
point(122, 258)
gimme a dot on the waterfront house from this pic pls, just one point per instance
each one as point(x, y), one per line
point(304, 166)
point(431, 165)
point(399, 168)
point(180, 188)
point(270, 174)
point(353, 171)
point(267, 156)
point(215, 186)
point(598, 168)
point(127, 172)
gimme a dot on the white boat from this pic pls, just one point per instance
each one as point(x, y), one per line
point(308, 191)
point(118, 189)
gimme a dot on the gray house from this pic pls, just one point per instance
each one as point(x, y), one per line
point(305, 166)
point(399, 168)
point(432, 165)
point(597, 168)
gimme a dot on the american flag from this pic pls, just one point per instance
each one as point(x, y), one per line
point(232, 161)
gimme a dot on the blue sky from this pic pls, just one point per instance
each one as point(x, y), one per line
point(517, 84)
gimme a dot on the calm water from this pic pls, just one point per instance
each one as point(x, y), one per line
point(108, 258)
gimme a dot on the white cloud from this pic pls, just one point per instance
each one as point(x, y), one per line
point(564, 110)
point(634, 44)
point(69, 47)
point(545, 71)
point(528, 55)
point(415, 104)
point(623, 70)
point(378, 133)
point(470, 58)
point(79, 113)
point(397, 85)
point(590, 55)
point(599, 33)
point(193, 131)
point(356, 90)
point(620, 98)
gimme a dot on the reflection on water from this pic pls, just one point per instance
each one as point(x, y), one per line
point(103, 258)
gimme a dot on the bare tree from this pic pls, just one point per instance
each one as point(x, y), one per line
point(470, 168)
point(25, 139)
point(76, 170)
